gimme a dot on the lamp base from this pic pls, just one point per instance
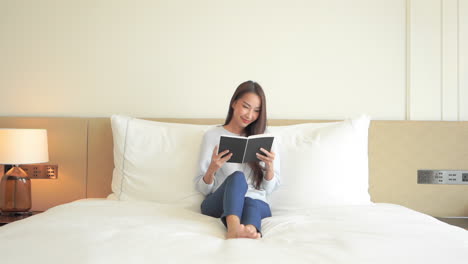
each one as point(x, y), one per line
point(15, 192)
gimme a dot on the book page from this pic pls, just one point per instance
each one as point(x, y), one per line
point(254, 145)
point(235, 145)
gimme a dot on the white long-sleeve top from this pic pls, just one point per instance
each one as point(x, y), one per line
point(210, 140)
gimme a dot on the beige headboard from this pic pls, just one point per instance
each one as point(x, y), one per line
point(82, 147)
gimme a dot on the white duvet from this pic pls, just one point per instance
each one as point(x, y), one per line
point(108, 231)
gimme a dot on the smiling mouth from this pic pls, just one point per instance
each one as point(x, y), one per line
point(245, 121)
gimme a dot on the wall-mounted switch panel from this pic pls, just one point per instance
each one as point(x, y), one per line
point(41, 171)
point(442, 177)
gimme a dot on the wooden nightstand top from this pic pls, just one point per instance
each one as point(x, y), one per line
point(10, 219)
point(456, 221)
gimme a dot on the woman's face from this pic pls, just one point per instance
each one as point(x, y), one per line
point(246, 110)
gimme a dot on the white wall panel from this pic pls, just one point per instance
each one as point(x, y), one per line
point(450, 60)
point(463, 59)
point(425, 60)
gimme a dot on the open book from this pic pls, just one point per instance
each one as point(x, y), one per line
point(244, 149)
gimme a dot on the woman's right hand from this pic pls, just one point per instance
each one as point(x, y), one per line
point(217, 161)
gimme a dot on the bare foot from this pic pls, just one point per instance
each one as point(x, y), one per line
point(242, 232)
point(252, 229)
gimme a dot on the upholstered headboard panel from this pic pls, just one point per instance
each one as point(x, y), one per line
point(82, 147)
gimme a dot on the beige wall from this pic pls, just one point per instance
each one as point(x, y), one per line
point(316, 59)
point(392, 59)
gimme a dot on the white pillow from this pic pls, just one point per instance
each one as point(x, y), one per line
point(323, 164)
point(155, 161)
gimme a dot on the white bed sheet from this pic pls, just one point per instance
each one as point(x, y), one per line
point(107, 231)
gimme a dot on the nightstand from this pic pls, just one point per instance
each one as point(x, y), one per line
point(10, 219)
point(456, 221)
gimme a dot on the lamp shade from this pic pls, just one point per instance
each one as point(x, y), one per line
point(23, 146)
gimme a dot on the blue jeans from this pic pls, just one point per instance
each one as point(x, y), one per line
point(229, 199)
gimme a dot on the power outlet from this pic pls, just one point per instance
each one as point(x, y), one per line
point(443, 176)
point(41, 171)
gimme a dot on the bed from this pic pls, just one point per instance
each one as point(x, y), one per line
point(153, 219)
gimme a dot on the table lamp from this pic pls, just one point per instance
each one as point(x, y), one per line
point(20, 146)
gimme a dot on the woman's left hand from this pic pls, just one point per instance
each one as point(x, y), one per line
point(267, 157)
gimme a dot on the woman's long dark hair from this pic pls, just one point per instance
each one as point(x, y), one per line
point(256, 127)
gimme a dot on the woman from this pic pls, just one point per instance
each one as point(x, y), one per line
point(237, 193)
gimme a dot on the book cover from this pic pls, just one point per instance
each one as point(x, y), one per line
point(244, 149)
